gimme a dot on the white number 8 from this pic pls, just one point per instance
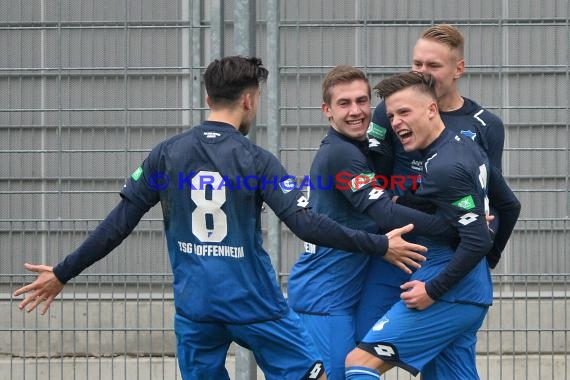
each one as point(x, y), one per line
point(217, 228)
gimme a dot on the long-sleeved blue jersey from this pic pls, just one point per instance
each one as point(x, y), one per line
point(455, 178)
point(329, 281)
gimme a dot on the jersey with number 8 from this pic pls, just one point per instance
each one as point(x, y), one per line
point(209, 215)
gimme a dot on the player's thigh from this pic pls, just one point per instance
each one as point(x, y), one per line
point(334, 336)
point(201, 349)
point(282, 348)
point(458, 359)
point(410, 338)
point(377, 298)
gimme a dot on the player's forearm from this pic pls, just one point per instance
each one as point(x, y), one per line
point(320, 230)
point(389, 215)
point(108, 235)
point(474, 245)
point(508, 208)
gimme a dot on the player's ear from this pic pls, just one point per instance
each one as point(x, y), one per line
point(432, 109)
point(459, 69)
point(326, 110)
point(209, 101)
point(247, 100)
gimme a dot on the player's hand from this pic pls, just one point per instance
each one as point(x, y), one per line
point(402, 254)
point(43, 290)
point(415, 295)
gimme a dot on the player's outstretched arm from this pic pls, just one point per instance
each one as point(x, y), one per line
point(108, 234)
point(320, 230)
point(43, 290)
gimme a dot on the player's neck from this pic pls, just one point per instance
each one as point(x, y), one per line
point(451, 102)
point(225, 115)
point(436, 132)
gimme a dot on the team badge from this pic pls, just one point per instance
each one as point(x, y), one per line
point(380, 324)
point(469, 134)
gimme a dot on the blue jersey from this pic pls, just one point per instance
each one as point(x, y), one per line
point(343, 187)
point(390, 159)
point(211, 182)
point(325, 280)
point(456, 175)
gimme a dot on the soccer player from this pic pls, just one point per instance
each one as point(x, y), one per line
point(225, 288)
point(325, 283)
point(439, 52)
point(444, 304)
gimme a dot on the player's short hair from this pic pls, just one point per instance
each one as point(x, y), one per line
point(228, 77)
point(342, 74)
point(446, 34)
point(422, 82)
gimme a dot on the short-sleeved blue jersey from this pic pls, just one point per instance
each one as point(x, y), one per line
point(211, 182)
point(455, 178)
point(325, 280)
point(471, 120)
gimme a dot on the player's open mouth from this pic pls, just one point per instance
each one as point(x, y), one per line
point(355, 123)
point(405, 135)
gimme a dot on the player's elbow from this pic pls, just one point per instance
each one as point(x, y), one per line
point(516, 207)
point(485, 245)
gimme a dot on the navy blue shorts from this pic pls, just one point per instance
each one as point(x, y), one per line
point(334, 336)
point(282, 348)
point(411, 339)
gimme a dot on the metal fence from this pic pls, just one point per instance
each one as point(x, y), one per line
point(87, 88)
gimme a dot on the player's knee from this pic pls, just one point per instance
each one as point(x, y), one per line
point(359, 357)
point(351, 359)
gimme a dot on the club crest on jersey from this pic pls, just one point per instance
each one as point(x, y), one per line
point(466, 203)
point(380, 324)
point(469, 134)
point(376, 131)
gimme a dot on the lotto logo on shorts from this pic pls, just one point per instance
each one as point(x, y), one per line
point(316, 371)
point(384, 350)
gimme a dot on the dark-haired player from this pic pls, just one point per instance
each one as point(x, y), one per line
point(325, 283)
point(440, 52)
point(225, 288)
point(444, 304)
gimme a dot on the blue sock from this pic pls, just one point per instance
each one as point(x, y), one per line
point(361, 373)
